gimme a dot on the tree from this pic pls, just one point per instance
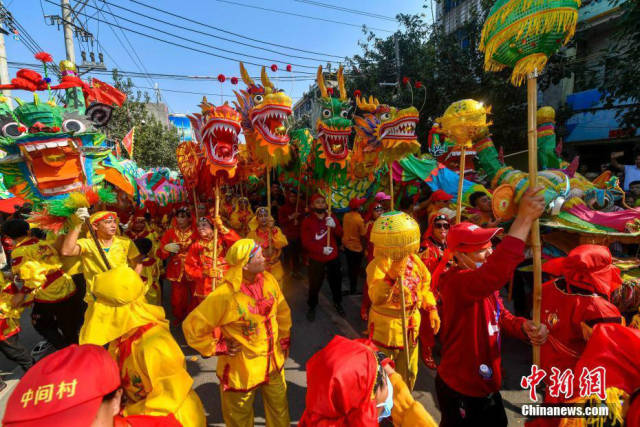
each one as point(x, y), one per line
point(449, 67)
point(155, 144)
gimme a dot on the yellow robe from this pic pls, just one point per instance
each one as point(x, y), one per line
point(278, 241)
point(406, 412)
point(385, 315)
point(154, 376)
point(150, 274)
point(121, 252)
point(235, 313)
point(40, 267)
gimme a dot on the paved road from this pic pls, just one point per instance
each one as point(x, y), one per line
point(307, 338)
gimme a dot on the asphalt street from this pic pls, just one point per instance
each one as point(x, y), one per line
point(307, 338)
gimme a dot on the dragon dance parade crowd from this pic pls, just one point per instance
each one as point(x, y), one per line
point(114, 360)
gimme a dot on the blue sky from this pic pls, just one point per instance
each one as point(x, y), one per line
point(231, 15)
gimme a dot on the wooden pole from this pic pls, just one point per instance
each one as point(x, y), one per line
point(329, 231)
point(391, 183)
point(405, 338)
point(195, 202)
point(216, 211)
point(532, 107)
point(463, 157)
point(94, 236)
point(269, 197)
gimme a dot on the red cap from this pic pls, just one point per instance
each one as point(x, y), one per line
point(355, 203)
point(440, 196)
point(468, 237)
point(588, 267)
point(316, 197)
point(65, 388)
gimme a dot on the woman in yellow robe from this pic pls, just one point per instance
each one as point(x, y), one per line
point(241, 216)
point(271, 239)
point(246, 322)
point(152, 366)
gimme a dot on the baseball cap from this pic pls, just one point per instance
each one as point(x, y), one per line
point(468, 237)
point(356, 202)
point(65, 388)
point(381, 195)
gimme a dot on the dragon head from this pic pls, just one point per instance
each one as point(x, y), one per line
point(333, 125)
point(50, 151)
point(264, 110)
point(217, 130)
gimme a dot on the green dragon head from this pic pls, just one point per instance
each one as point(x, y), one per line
point(333, 126)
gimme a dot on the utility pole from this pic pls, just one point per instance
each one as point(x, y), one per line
point(68, 30)
point(4, 69)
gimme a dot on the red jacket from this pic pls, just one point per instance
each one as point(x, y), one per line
point(313, 234)
point(473, 318)
point(175, 266)
point(562, 313)
point(290, 227)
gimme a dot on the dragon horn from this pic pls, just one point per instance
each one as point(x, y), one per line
point(245, 76)
point(265, 79)
point(343, 91)
point(320, 81)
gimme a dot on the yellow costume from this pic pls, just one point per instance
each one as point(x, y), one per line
point(406, 412)
point(40, 267)
point(277, 242)
point(121, 252)
point(9, 314)
point(152, 366)
point(256, 316)
point(239, 219)
point(150, 275)
point(353, 229)
point(385, 315)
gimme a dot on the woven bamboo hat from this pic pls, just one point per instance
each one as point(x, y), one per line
point(395, 235)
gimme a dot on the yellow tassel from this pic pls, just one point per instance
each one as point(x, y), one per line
point(77, 200)
point(395, 235)
point(526, 66)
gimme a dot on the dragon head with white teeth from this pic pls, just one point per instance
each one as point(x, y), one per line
point(264, 110)
point(217, 130)
point(333, 126)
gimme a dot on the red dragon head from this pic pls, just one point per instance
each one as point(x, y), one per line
point(217, 129)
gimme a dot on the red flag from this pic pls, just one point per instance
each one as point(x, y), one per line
point(127, 142)
point(105, 93)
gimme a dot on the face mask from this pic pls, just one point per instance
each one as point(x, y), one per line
point(479, 264)
point(387, 404)
point(320, 210)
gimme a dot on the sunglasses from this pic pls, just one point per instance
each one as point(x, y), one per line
point(378, 208)
point(444, 225)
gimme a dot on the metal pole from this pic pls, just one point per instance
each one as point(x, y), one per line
point(4, 69)
point(68, 30)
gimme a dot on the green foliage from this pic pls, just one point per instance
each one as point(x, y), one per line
point(620, 79)
point(450, 68)
point(154, 143)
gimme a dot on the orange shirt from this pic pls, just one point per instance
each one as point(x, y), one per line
point(353, 231)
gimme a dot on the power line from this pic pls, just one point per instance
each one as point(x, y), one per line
point(232, 33)
point(345, 9)
point(173, 24)
point(177, 44)
point(250, 6)
point(200, 43)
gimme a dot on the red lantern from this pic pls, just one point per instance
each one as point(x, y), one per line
point(357, 93)
point(221, 78)
point(418, 84)
point(234, 80)
point(274, 67)
point(289, 68)
point(330, 91)
point(405, 80)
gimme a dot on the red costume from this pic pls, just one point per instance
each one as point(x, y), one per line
point(473, 317)
point(290, 226)
point(199, 262)
point(181, 285)
point(313, 234)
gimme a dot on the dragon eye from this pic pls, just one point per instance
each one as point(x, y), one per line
point(13, 130)
point(326, 113)
point(344, 114)
point(385, 116)
point(73, 126)
point(258, 99)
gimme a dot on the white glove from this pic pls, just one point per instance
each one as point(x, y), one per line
point(82, 214)
point(327, 250)
point(330, 222)
point(174, 248)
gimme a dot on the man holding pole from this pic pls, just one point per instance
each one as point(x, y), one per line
point(399, 288)
point(105, 251)
point(473, 317)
